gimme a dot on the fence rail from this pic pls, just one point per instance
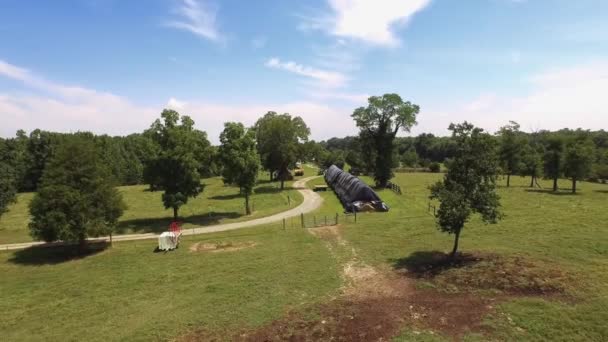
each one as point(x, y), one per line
point(396, 188)
point(319, 220)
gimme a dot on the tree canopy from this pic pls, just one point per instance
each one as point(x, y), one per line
point(278, 139)
point(379, 123)
point(469, 186)
point(239, 158)
point(184, 154)
point(553, 159)
point(510, 149)
point(578, 160)
point(8, 177)
point(77, 197)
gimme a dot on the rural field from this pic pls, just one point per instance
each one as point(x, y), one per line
point(328, 170)
point(145, 212)
point(539, 274)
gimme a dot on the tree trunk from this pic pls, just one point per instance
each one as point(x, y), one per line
point(247, 208)
point(270, 172)
point(508, 180)
point(82, 244)
point(555, 184)
point(282, 183)
point(573, 185)
point(455, 249)
point(175, 213)
point(532, 182)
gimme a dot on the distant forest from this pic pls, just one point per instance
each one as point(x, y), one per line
point(525, 154)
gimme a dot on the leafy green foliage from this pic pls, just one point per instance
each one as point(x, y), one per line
point(181, 160)
point(469, 186)
point(531, 162)
point(239, 157)
point(435, 167)
point(553, 159)
point(379, 123)
point(8, 182)
point(409, 158)
point(512, 143)
point(77, 197)
point(578, 160)
point(335, 157)
point(278, 139)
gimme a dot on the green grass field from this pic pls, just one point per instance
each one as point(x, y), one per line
point(130, 293)
point(146, 213)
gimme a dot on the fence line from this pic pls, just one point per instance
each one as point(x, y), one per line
point(396, 188)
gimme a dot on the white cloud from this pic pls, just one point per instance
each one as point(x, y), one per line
point(13, 71)
point(324, 78)
point(571, 97)
point(197, 17)
point(371, 21)
point(62, 108)
point(58, 107)
point(323, 120)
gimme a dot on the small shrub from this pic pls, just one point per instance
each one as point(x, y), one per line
point(435, 167)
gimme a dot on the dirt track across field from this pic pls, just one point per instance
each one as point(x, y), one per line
point(312, 201)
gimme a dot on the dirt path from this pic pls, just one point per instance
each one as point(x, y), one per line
point(375, 304)
point(311, 201)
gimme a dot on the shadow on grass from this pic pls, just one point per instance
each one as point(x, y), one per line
point(56, 254)
point(427, 264)
point(567, 192)
point(158, 225)
point(271, 189)
point(226, 197)
point(601, 191)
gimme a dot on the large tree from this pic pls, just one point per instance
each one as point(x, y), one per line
point(8, 177)
point(379, 123)
point(531, 163)
point(76, 197)
point(239, 158)
point(469, 186)
point(278, 139)
point(553, 159)
point(578, 160)
point(182, 156)
point(511, 147)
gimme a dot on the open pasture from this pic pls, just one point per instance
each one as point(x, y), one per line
point(544, 266)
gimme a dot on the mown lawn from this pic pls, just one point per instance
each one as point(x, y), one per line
point(130, 293)
point(568, 232)
point(145, 213)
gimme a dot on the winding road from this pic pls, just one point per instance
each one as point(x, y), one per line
point(312, 201)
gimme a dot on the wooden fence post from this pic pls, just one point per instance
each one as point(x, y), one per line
point(336, 219)
point(355, 216)
point(302, 219)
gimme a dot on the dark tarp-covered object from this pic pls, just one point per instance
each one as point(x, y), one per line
point(352, 192)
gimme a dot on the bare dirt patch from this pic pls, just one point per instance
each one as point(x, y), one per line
point(377, 303)
point(510, 275)
point(220, 246)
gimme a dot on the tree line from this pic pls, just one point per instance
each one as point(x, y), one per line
point(75, 175)
point(575, 154)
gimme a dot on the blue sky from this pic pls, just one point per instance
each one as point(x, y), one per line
point(111, 66)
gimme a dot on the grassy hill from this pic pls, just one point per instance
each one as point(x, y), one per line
point(540, 275)
point(145, 212)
